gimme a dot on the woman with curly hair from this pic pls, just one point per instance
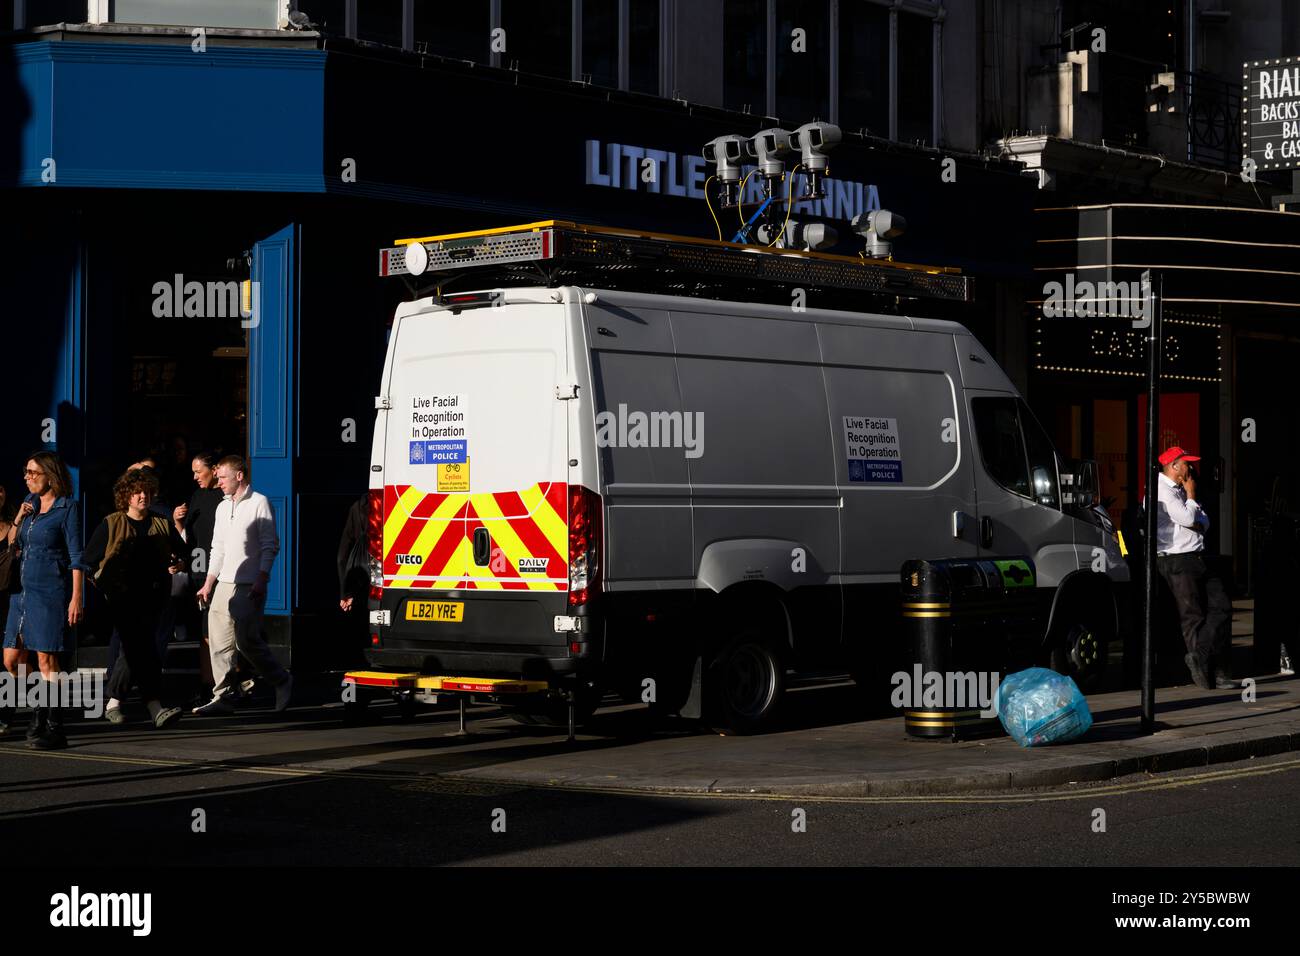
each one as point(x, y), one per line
point(47, 535)
point(131, 556)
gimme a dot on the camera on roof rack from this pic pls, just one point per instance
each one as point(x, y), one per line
point(726, 153)
point(814, 142)
point(877, 228)
point(807, 236)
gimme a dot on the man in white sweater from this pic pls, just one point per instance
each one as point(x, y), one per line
point(244, 546)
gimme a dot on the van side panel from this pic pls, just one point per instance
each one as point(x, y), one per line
point(905, 387)
point(764, 470)
point(637, 420)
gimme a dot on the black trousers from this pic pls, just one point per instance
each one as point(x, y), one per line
point(1204, 608)
point(135, 616)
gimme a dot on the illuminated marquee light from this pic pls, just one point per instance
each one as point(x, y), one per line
point(1122, 344)
point(1117, 372)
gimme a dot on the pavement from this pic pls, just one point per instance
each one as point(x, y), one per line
point(822, 747)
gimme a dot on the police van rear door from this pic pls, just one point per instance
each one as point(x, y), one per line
point(476, 461)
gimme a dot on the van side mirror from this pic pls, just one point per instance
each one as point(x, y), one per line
point(1083, 484)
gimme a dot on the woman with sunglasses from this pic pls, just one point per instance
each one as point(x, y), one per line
point(47, 533)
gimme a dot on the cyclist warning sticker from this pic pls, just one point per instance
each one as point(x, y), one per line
point(871, 446)
point(439, 432)
point(453, 476)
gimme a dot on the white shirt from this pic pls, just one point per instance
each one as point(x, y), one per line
point(1180, 524)
point(244, 540)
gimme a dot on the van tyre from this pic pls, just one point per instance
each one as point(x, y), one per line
point(1080, 651)
point(745, 684)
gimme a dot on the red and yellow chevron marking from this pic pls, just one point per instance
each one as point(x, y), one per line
point(429, 538)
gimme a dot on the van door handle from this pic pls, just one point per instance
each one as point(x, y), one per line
point(482, 546)
point(986, 532)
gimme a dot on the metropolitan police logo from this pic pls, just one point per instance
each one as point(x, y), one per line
point(417, 453)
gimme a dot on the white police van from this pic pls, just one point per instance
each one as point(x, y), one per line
point(576, 490)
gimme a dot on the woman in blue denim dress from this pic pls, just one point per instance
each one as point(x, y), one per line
point(47, 533)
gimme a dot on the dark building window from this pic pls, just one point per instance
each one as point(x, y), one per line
point(1149, 31)
point(600, 41)
point(864, 67)
point(42, 13)
point(329, 15)
point(462, 30)
point(539, 36)
point(802, 78)
point(380, 21)
point(915, 78)
point(643, 46)
point(744, 45)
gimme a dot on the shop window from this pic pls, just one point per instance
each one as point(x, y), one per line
point(1001, 446)
point(864, 67)
point(539, 36)
point(915, 78)
point(643, 46)
point(802, 60)
point(462, 30)
point(380, 21)
point(744, 45)
point(600, 41)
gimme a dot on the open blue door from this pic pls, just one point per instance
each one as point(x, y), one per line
point(271, 438)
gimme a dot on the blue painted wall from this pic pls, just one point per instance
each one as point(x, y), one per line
point(133, 115)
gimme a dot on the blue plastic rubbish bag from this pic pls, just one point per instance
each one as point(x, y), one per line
point(1039, 706)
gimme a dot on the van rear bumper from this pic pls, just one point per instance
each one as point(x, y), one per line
point(498, 634)
point(529, 663)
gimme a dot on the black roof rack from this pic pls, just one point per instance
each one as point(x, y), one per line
point(555, 253)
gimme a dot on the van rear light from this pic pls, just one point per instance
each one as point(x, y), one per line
point(584, 545)
point(375, 542)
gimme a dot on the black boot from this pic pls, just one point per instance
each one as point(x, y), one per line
point(37, 727)
point(6, 718)
point(52, 738)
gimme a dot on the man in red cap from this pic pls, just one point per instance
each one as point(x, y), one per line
point(1203, 605)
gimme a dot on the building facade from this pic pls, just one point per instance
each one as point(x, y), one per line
point(144, 163)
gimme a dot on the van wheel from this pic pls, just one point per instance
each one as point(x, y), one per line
point(1080, 652)
point(745, 684)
